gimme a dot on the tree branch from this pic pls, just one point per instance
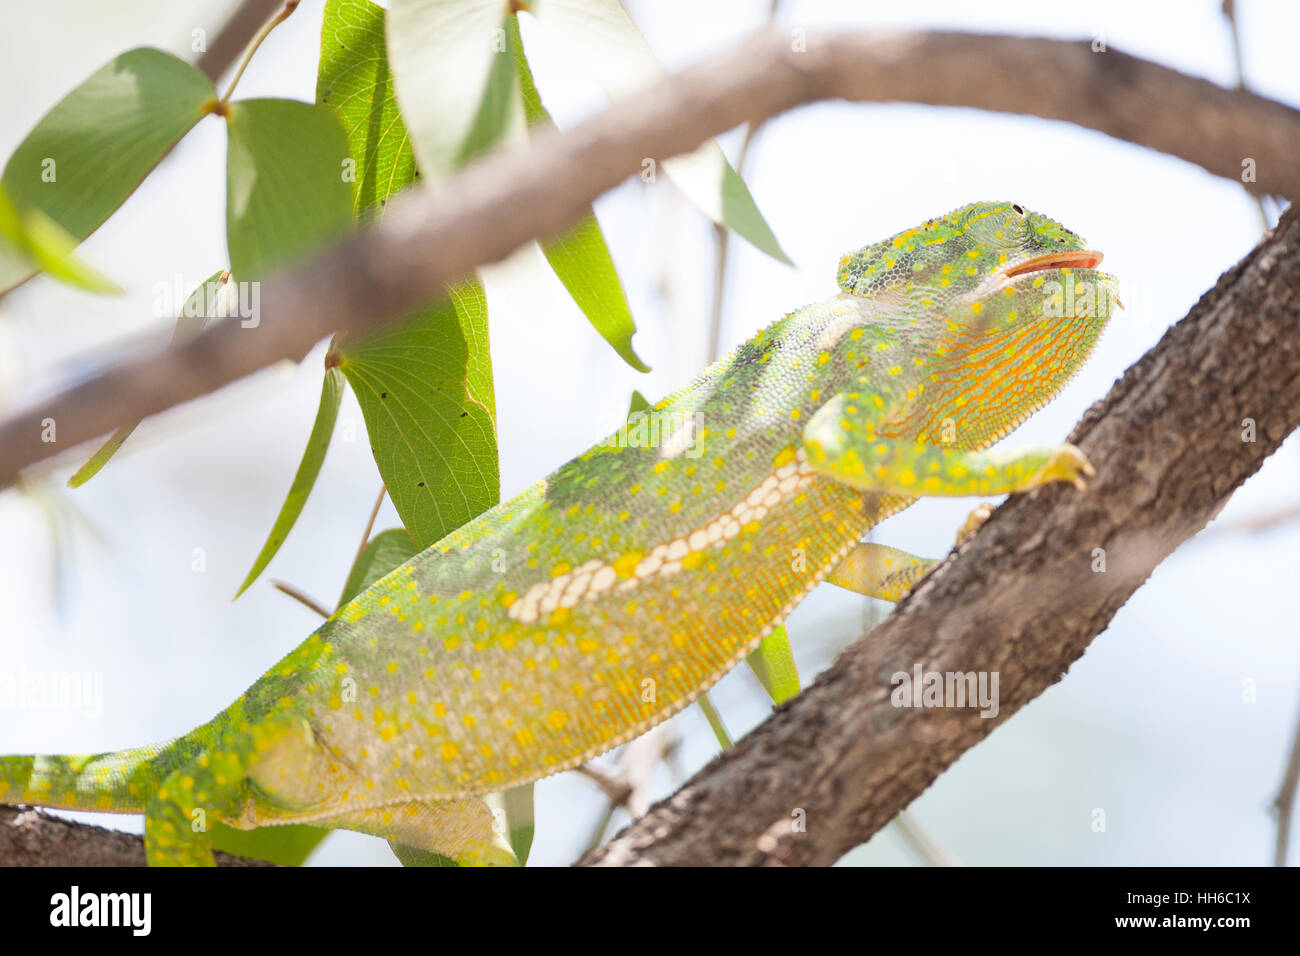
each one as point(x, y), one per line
point(31, 838)
point(429, 239)
point(1021, 600)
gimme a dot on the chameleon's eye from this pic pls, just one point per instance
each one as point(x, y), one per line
point(1019, 209)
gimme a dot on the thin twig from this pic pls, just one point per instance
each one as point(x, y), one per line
point(715, 721)
point(723, 234)
point(1285, 801)
point(1230, 11)
point(233, 38)
point(262, 34)
point(614, 788)
point(922, 842)
point(1265, 521)
point(300, 597)
point(370, 525)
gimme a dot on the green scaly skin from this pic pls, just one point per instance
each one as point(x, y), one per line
point(609, 595)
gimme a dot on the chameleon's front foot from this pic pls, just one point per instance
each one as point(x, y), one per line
point(974, 521)
point(1065, 462)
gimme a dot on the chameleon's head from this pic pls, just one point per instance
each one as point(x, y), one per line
point(998, 295)
point(955, 255)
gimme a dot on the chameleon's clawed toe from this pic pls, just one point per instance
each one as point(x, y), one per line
point(974, 521)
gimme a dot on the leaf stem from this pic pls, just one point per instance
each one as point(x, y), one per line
point(285, 11)
point(300, 597)
point(715, 721)
point(370, 525)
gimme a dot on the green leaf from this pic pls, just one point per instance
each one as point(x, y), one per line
point(304, 479)
point(639, 403)
point(194, 314)
point(288, 845)
point(773, 664)
point(424, 384)
point(285, 187)
point(580, 257)
point(454, 74)
point(425, 390)
point(41, 244)
point(91, 150)
point(516, 804)
point(381, 554)
point(354, 80)
point(418, 856)
point(582, 262)
point(604, 38)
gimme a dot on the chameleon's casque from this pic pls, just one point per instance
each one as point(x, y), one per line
point(609, 595)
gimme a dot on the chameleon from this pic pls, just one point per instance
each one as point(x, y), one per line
point(609, 595)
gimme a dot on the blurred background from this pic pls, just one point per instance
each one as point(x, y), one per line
point(1178, 721)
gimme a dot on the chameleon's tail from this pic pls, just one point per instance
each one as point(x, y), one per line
point(117, 782)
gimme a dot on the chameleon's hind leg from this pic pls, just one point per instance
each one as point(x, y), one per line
point(880, 571)
point(247, 772)
point(840, 441)
point(457, 832)
point(190, 798)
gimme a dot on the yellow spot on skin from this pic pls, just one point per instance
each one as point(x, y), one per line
point(557, 719)
point(562, 568)
point(448, 751)
point(823, 358)
point(392, 667)
point(626, 565)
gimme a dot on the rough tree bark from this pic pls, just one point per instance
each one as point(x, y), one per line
point(31, 838)
point(1020, 599)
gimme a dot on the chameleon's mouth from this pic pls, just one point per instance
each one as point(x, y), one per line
point(1066, 259)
